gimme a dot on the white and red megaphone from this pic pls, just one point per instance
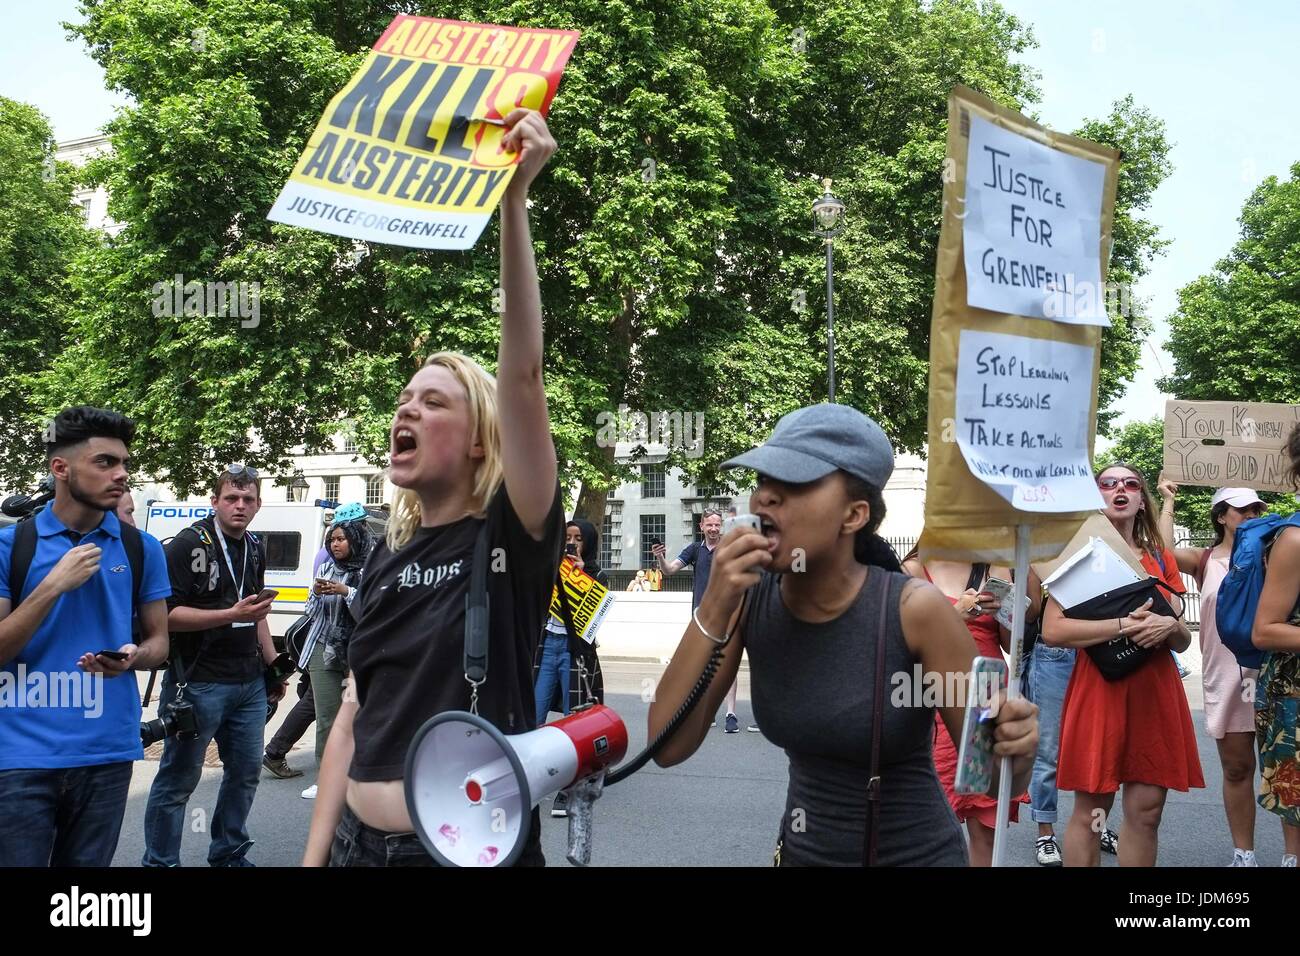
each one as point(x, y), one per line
point(470, 789)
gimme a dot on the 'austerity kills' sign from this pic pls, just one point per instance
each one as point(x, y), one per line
point(407, 153)
point(1032, 228)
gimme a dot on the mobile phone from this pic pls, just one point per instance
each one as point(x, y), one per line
point(653, 541)
point(975, 756)
point(742, 521)
point(571, 549)
point(267, 594)
point(112, 655)
point(998, 588)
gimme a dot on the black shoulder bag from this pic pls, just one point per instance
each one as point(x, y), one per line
point(476, 619)
point(1119, 657)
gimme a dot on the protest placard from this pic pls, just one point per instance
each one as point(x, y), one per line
point(1013, 399)
point(589, 600)
point(1032, 227)
point(403, 154)
point(1228, 444)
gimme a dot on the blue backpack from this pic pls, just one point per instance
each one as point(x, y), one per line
point(1238, 598)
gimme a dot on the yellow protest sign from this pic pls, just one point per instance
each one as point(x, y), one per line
point(589, 600)
point(1015, 334)
point(1229, 444)
point(408, 152)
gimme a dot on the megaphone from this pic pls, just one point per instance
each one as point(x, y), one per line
point(470, 789)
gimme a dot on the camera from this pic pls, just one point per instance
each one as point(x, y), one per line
point(177, 719)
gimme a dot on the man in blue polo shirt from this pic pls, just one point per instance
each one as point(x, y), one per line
point(69, 721)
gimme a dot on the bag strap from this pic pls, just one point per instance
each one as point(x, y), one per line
point(476, 619)
point(1201, 565)
point(20, 560)
point(978, 572)
point(877, 722)
point(133, 544)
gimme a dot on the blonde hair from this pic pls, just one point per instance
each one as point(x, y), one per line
point(485, 426)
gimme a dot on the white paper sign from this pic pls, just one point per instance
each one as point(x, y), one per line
point(1022, 419)
point(1090, 571)
point(1032, 229)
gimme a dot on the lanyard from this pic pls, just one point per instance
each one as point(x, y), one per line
point(243, 566)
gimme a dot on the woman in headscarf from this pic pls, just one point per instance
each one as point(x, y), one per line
point(325, 652)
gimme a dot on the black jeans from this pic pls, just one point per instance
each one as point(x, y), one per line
point(356, 844)
point(295, 725)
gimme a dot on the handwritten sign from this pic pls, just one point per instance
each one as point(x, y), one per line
point(402, 155)
point(1229, 444)
point(1032, 228)
point(1022, 419)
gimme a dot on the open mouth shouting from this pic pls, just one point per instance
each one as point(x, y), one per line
point(403, 446)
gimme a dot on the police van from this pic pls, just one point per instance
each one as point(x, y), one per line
point(293, 534)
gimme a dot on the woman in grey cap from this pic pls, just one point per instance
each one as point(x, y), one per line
point(801, 598)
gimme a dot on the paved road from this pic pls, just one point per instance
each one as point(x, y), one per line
point(721, 808)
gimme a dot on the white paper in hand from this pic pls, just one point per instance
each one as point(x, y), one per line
point(1092, 570)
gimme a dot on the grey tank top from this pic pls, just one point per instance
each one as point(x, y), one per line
point(812, 687)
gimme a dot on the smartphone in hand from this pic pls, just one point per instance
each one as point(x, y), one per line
point(112, 655)
point(267, 594)
point(975, 759)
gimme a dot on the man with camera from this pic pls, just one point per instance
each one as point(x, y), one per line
point(70, 578)
point(220, 677)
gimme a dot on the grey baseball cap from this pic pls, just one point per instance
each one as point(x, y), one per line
point(810, 443)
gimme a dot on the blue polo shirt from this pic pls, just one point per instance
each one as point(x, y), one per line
point(698, 555)
point(53, 714)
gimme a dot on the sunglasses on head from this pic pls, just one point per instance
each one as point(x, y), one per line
point(238, 470)
point(1130, 484)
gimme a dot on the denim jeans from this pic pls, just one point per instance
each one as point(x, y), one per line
point(235, 715)
point(552, 675)
point(1049, 675)
point(64, 817)
point(356, 844)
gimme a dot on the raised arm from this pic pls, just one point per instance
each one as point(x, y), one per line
point(527, 450)
point(1189, 559)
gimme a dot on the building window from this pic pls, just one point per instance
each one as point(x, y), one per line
point(331, 487)
point(350, 443)
point(652, 531)
point(607, 553)
point(708, 491)
point(375, 490)
point(652, 481)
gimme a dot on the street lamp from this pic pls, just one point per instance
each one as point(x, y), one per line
point(827, 213)
point(299, 487)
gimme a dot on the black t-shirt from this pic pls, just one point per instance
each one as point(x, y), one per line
point(407, 653)
point(200, 579)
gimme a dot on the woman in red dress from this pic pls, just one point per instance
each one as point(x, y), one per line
point(977, 609)
point(1135, 732)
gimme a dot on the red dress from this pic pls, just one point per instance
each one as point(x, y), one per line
point(1134, 730)
point(984, 629)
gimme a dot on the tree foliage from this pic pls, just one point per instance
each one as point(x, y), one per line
point(673, 228)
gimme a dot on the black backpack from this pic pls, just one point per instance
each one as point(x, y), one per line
point(20, 560)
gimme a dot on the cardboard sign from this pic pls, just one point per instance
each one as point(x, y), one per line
point(1096, 525)
point(589, 600)
point(1229, 444)
point(402, 154)
point(972, 517)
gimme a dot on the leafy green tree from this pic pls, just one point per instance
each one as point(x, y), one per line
point(41, 232)
point(678, 267)
point(1236, 332)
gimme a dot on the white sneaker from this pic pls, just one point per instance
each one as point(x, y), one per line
point(1288, 859)
point(1243, 858)
point(309, 793)
point(1048, 851)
